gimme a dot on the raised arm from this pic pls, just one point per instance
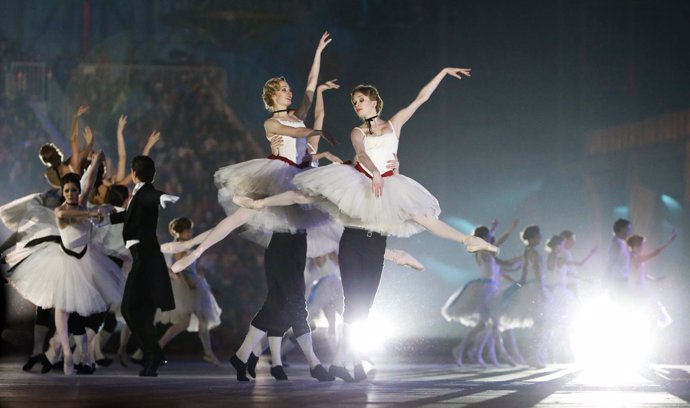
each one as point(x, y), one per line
point(96, 162)
point(154, 137)
point(585, 259)
point(400, 118)
point(500, 240)
point(74, 143)
point(658, 251)
point(313, 78)
point(120, 174)
point(320, 110)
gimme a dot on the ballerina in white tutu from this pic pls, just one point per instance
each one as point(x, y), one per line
point(355, 197)
point(65, 272)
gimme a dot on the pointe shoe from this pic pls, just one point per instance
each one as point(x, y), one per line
point(402, 258)
point(186, 261)
point(32, 361)
point(46, 365)
point(475, 244)
point(68, 364)
point(278, 373)
point(240, 367)
point(247, 202)
point(321, 374)
point(340, 372)
point(360, 374)
point(251, 365)
point(211, 358)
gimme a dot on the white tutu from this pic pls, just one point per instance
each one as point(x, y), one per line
point(260, 178)
point(30, 219)
point(51, 278)
point(346, 195)
point(198, 302)
point(472, 303)
point(523, 306)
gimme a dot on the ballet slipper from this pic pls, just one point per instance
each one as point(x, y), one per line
point(186, 261)
point(402, 258)
point(341, 372)
point(278, 373)
point(475, 244)
point(251, 365)
point(32, 361)
point(68, 364)
point(247, 202)
point(320, 373)
point(360, 374)
point(240, 367)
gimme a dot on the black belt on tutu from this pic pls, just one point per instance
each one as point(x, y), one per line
point(360, 169)
point(302, 165)
point(56, 239)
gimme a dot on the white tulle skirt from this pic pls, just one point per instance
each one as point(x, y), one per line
point(472, 303)
point(346, 195)
point(199, 303)
point(261, 178)
point(524, 306)
point(48, 277)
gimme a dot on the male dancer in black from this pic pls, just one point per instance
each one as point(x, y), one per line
point(148, 285)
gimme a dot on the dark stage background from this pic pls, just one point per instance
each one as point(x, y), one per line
point(577, 113)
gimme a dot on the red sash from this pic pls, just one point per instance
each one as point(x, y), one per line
point(360, 169)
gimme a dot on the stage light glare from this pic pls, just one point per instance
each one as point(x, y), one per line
point(612, 336)
point(370, 335)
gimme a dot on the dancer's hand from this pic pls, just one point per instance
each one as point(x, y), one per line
point(81, 110)
point(458, 72)
point(168, 198)
point(276, 142)
point(154, 137)
point(121, 123)
point(377, 184)
point(324, 41)
point(332, 84)
point(393, 164)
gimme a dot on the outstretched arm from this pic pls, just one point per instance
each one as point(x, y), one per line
point(585, 259)
point(74, 143)
point(121, 150)
point(400, 118)
point(320, 111)
point(313, 78)
point(500, 240)
point(658, 251)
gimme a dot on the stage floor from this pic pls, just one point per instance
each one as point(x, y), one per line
point(189, 383)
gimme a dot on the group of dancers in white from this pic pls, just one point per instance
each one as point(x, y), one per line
point(89, 251)
point(545, 298)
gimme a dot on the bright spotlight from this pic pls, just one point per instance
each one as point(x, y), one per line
point(370, 335)
point(612, 335)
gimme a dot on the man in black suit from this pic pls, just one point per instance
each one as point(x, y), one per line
point(148, 284)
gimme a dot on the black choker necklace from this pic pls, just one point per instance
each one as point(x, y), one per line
point(282, 110)
point(369, 120)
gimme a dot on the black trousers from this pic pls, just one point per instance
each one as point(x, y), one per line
point(138, 308)
point(361, 264)
point(284, 307)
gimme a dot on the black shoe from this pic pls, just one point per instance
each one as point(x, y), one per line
point(154, 363)
point(360, 374)
point(148, 372)
point(104, 362)
point(240, 367)
point(32, 361)
point(46, 364)
point(278, 373)
point(321, 374)
point(84, 369)
point(340, 372)
point(251, 365)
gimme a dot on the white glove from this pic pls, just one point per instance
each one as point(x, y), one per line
point(168, 198)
